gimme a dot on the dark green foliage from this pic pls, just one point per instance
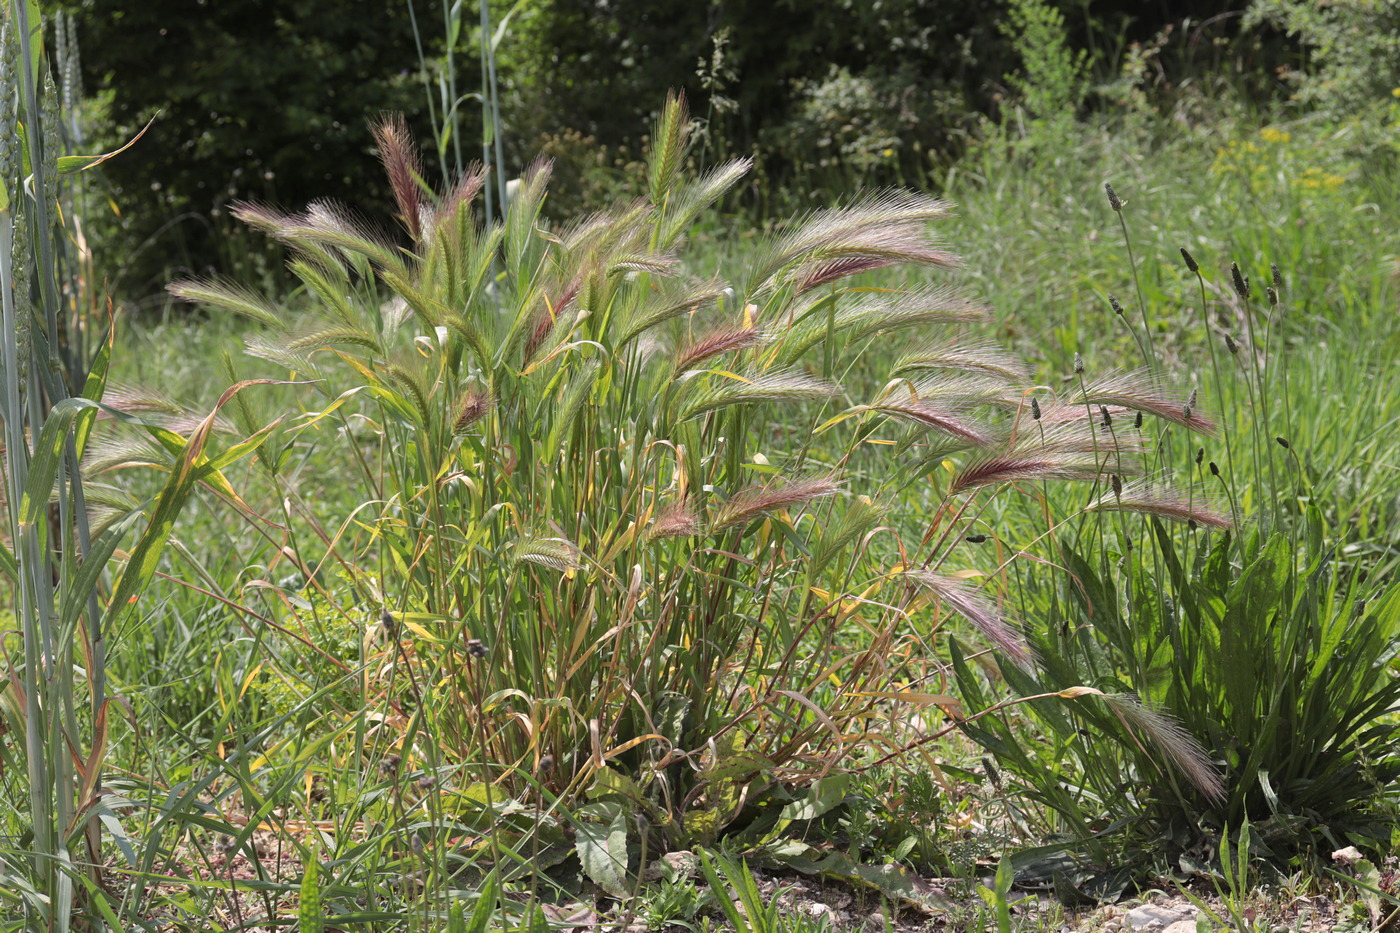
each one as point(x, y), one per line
point(267, 100)
point(253, 99)
point(1280, 669)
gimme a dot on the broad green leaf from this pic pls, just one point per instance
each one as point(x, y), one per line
point(309, 915)
point(48, 454)
point(823, 796)
point(601, 837)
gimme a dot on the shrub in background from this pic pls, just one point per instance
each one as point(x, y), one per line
point(1347, 69)
point(250, 99)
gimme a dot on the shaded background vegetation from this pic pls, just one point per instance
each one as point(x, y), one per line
point(269, 100)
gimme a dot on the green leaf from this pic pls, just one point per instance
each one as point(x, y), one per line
point(190, 467)
point(485, 910)
point(310, 918)
point(69, 164)
point(48, 454)
point(822, 797)
point(601, 838)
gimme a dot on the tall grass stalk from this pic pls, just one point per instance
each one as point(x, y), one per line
point(57, 696)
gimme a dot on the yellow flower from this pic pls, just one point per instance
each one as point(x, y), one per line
point(1395, 92)
point(1274, 135)
point(888, 153)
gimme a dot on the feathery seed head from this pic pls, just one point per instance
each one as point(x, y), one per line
point(1137, 391)
point(749, 504)
point(1182, 751)
point(840, 268)
point(674, 521)
point(778, 385)
point(973, 605)
point(1078, 363)
point(557, 553)
point(964, 356)
point(1147, 499)
point(723, 340)
point(471, 408)
point(1031, 464)
point(401, 163)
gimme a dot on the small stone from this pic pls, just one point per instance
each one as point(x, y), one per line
point(1152, 917)
point(1348, 856)
point(1181, 926)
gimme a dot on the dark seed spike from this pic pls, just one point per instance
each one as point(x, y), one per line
point(1114, 201)
point(1277, 275)
point(1035, 410)
point(1103, 414)
point(1191, 265)
point(1283, 442)
point(1241, 282)
point(1137, 421)
point(1273, 295)
point(1200, 455)
point(1214, 470)
point(1116, 482)
point(1231, 345)
point(1113, 303)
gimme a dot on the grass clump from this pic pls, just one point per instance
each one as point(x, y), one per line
point(615, 561)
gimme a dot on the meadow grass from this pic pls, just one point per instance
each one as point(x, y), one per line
point(368, 664)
